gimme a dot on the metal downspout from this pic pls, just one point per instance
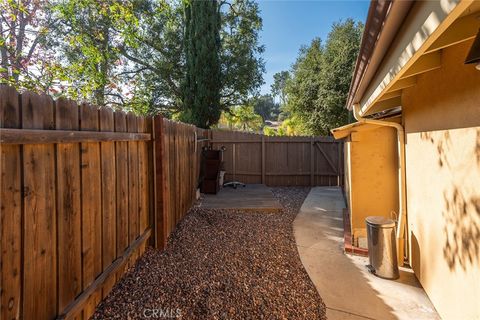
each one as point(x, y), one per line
point(401, 178)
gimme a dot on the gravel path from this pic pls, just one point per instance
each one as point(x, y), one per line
point(222, 264)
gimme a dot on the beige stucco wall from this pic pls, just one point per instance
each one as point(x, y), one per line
point(372, 176)
point(347, 176)
point(442, 123)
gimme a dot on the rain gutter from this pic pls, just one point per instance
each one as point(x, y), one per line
point(383, 22)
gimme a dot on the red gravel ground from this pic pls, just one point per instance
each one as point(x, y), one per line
point(222, 264)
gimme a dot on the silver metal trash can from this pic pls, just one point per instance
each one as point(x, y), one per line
point(382, 249)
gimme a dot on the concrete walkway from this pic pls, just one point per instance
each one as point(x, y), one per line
point(347, 288)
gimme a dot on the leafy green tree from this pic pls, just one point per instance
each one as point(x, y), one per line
point(269, 131)
point(129, 53)
point(303, 87)
point(126, 53)
point(318, 89)
point(266, 107)
point(292, 126)
point(89, 35)
point(278, 86)
point(26, 58)
point(201, 89)
point(158, 62)
point(289, 127)
point(244, 118)
point(241, 62)
point(340, 54)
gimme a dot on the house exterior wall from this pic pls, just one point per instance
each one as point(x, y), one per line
point(347, 168)
point(441, 115)
point(372, 177)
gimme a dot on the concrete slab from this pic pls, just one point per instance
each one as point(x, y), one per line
point(344, 283)
point(250, 197)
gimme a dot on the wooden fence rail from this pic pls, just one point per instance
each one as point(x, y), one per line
point(280, 161)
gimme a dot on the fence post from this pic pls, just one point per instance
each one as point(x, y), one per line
point(234, 156)
point(263, 160)
point(312, 163)
point(159, 217)
point(151, 180)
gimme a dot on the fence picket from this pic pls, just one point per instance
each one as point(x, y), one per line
point(91, 207)
point(109, 216)
point(121, 166)
point(39, 212)
point(133, 212)
point(11, 209)
point(68, 207)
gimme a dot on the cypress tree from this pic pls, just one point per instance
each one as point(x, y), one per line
point(202, 85)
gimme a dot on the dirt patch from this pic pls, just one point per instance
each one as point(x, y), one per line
point(222, 264)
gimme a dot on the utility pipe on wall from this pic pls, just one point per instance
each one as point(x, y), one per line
point(401, 177)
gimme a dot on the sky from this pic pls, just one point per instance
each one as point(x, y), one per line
point(289, 24)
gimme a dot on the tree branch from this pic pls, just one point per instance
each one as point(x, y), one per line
point(116, 95)
point(134, 59)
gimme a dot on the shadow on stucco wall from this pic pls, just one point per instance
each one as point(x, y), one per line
point(461, 208)
point(442, 146)
point(462, 230)
point(477, 149)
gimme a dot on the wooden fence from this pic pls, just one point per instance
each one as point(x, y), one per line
point(177, 160)
point(280, 161)
point(76, 197)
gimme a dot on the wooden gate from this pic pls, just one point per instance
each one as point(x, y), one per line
point(280, 161)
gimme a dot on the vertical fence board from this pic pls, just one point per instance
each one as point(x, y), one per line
point(180, 176)
point(91, 198)
point(151, 181)
point(169, 187)
point(122, 187)
point(11, 210)
point(171, 182)
point(107, 154)
point(91, 206)
point(68, 207)
point(312, 164)
point(159, 214)
point(177, 175)
point(40, 294)
point(121, 166)
point(133, 212)
point(166, 186)
point(143, 177)
point(91, 304)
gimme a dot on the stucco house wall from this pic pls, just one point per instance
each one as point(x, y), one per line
point(371, 177)
point(441, 115)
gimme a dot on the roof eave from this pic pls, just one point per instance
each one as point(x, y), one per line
point(383, 22)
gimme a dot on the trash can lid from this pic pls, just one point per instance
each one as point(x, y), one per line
point(380, 222)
